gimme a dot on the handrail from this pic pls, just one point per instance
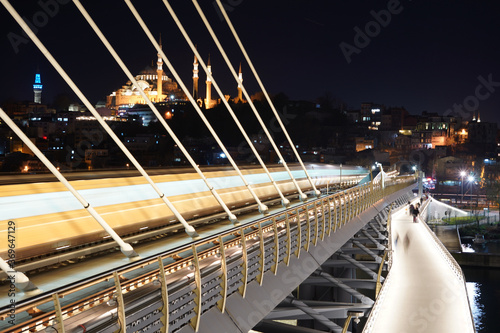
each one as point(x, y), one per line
point(379, 284)
point(453, 264)
point(265, 224)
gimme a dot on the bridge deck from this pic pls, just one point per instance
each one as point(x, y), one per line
point(424, 292)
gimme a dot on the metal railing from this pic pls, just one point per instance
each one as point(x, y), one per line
point(212, 270)
point(452, 263)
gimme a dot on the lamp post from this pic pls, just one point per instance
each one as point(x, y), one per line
point(462, 175)
point(471, 180)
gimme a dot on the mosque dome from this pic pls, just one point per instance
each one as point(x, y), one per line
point(143, 84)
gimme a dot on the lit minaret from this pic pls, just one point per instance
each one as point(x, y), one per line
point(240, 77)
point(474, 116)
point(159, 71)
point(208, 98)
point(195, 78)
point(478, 117)
point(37, 89)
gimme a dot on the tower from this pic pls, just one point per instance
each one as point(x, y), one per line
point(478, 117)
point(37, 89)
point(208, 99)
point(195, 78)
point(159, 72)
point(240, 77)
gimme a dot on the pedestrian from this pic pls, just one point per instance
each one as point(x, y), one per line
point(415, 213)
point(406, 242)
point(412, 209)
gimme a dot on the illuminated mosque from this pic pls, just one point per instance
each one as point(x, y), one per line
point(159, 88)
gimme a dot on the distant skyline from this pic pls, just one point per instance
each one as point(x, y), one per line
point(433, 56)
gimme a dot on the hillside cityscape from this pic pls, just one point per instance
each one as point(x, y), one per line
point(457, 151)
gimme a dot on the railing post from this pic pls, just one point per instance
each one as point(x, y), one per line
point(330, 209)
point(323, 215)
point(299, 234)
point(122, 320)
point(59, 318)
point(359, 201)
point(274, 267)
point(341, 211)
point(316, 222)
point(195, 321)
point(308, 230)
point(335, 213)
point(262, 256)
point(379, 284)
point(288, 240)
point(352, 206)
point(162, 277)
point(221, 304)
point(244, 265)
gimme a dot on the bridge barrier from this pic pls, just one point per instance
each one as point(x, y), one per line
point(201, 275)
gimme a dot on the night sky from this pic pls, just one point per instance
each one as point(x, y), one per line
point(429, 55)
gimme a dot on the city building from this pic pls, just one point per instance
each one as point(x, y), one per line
point(37, 89)
point(157, 86)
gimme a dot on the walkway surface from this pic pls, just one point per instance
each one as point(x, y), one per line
point(424, 292)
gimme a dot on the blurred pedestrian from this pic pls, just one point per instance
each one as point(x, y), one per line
point(415, 213)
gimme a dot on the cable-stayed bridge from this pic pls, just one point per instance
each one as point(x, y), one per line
point(209, 251)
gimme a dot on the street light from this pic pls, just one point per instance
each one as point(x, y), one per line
point(462, 175)
point(471, 180)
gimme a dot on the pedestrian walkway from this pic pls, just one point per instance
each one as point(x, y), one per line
point(425, 289)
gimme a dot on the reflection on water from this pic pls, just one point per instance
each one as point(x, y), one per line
point(484, 297)
point(467, 248)
point(488, 247)
point(477, 308)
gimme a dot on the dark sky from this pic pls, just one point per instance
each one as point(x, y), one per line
point(429, 55)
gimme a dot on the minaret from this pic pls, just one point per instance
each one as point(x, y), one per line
point(474, 116)
point(240, 94)
point(159, 72)
point(37, 89)
point(478, 117)
point(195, 78)
point(208, 98)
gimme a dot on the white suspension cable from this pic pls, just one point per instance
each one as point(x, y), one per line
point(262, 207)
point(153, 107)
point(284, 200)
point(302, 195)
point(189, 229)
point(20, 279)
point(125, 247)
point(235, 34)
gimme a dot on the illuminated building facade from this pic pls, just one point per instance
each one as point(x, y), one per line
point(37, 89)
point(157, 86)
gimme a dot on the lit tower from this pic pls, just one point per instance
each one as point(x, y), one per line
point(37, 89)
point(208, 98)
point(195, 78)
point(478, 117)
point(159, 72)
point(240, 77)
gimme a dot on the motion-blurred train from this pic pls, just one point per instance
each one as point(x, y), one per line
point(48, 219)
